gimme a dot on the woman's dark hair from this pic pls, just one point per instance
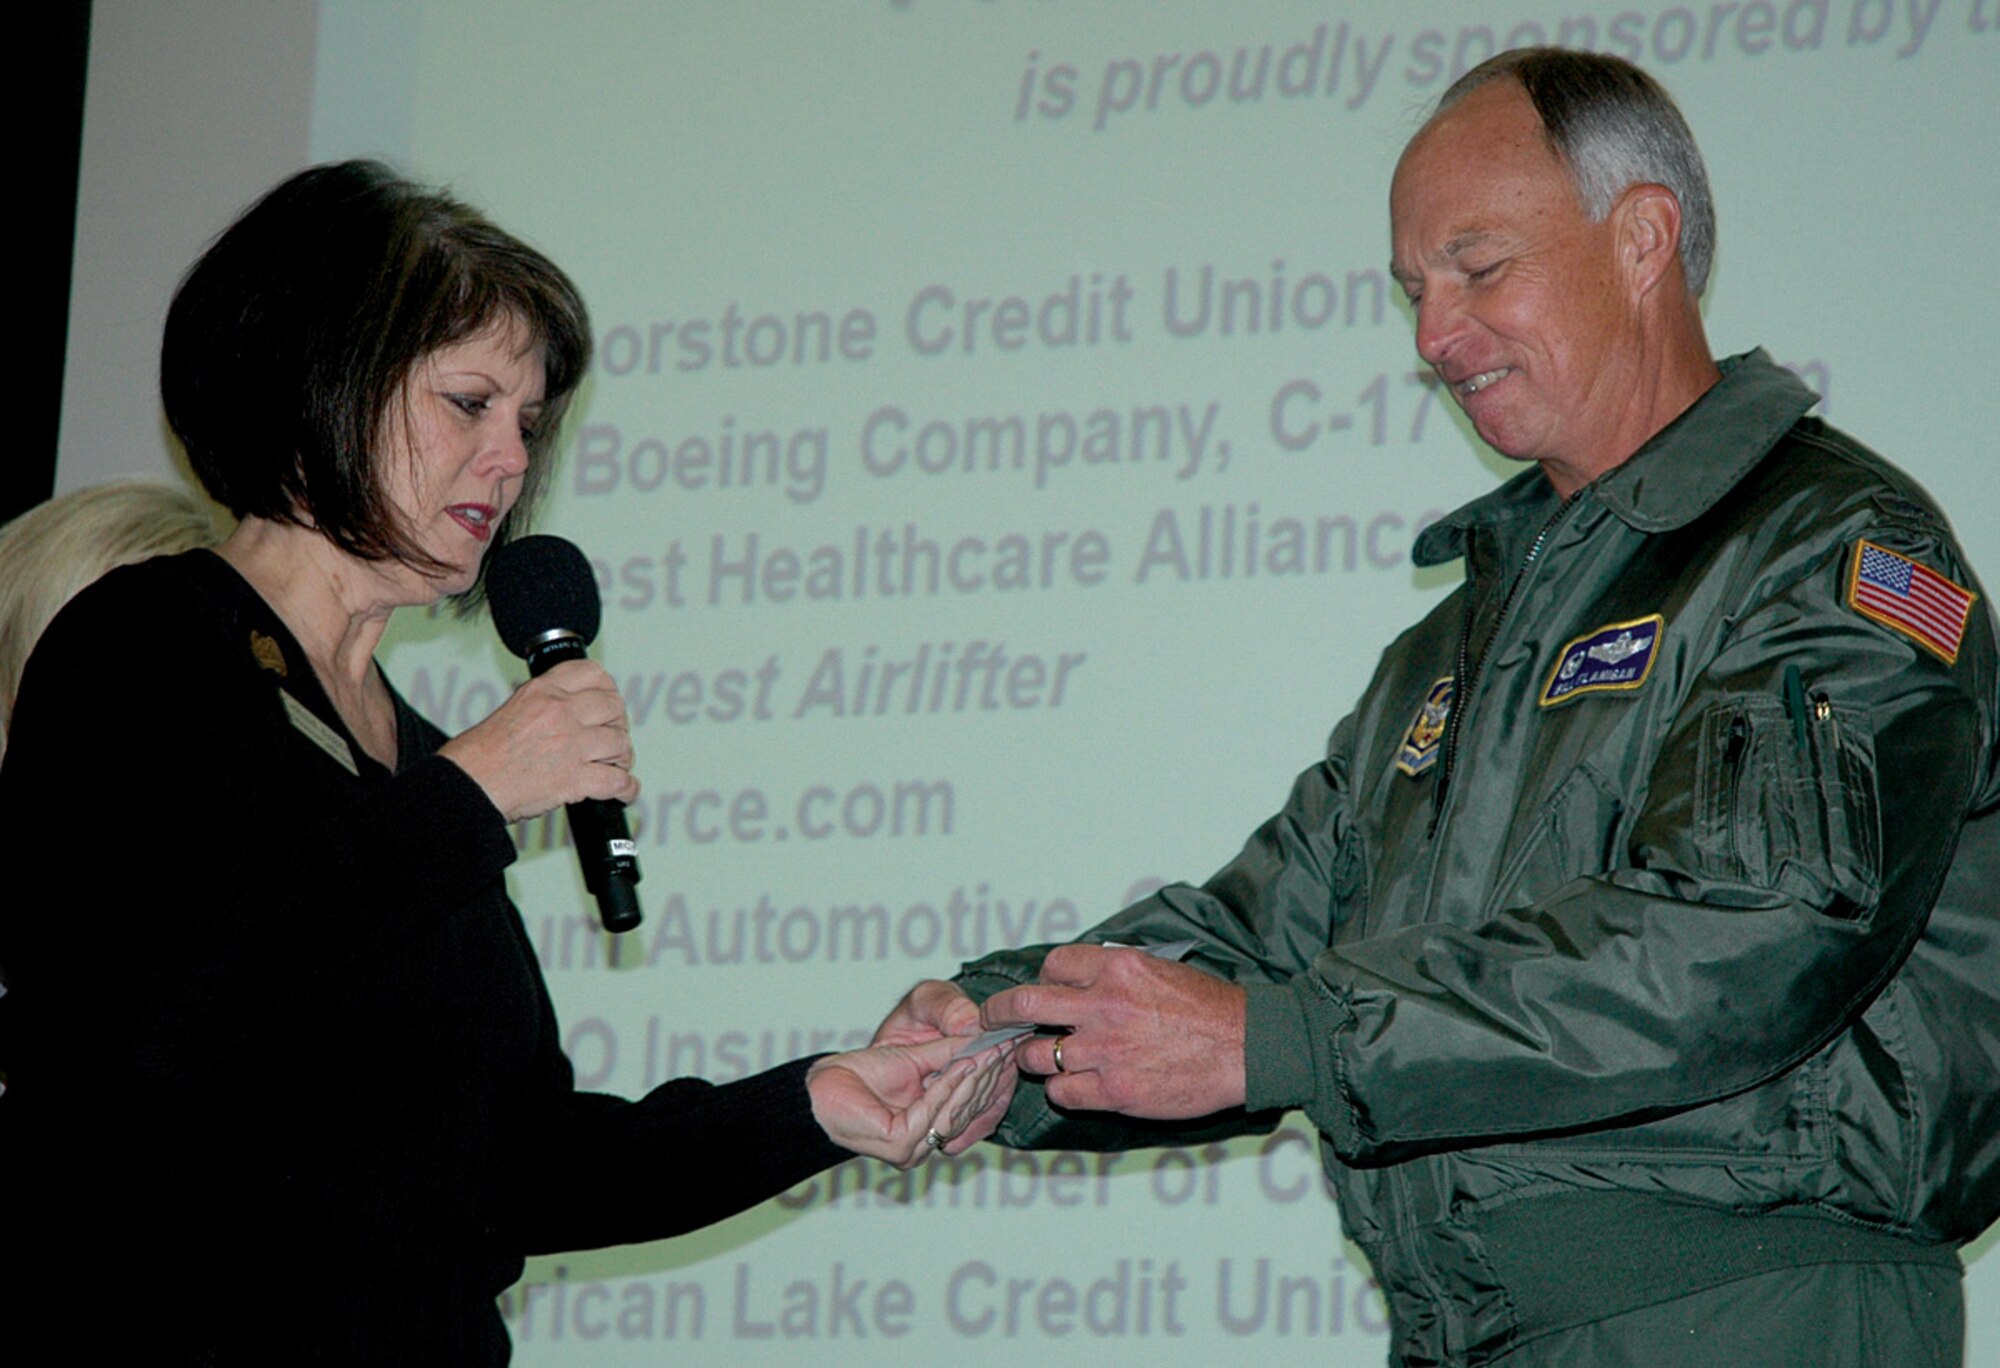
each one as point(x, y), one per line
point(289, 341)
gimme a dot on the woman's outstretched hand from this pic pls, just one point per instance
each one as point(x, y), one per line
point(900, 1102)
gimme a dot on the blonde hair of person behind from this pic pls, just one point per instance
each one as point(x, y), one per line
point(51, 552)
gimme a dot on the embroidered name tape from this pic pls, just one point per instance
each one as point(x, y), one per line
point(1913, 599)
point(1420, 746)
point(1614, 657)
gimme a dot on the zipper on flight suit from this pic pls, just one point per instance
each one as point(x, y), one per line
point(1734, 752)
point(1469, 670)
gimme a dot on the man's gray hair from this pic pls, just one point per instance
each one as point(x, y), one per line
point(1613, 126)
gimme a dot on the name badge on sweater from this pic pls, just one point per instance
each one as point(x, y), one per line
point(317, 732)
point(1617, 656)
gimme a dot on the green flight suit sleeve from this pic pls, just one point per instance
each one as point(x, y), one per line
point(1782, 863)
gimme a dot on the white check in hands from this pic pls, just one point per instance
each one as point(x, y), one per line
point(1126, 1029)
point(903, 1102)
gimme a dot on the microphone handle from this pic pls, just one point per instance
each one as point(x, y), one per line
point(605, 850)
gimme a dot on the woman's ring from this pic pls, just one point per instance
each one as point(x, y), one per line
point(933, 1139)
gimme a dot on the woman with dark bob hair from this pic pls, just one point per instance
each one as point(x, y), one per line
point(286, 1067)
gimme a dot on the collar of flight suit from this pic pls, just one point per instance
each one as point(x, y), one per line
point(1681, 472)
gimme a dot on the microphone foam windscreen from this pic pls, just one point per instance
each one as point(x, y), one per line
point(537, 585)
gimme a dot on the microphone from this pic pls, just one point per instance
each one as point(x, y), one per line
point(545, 606)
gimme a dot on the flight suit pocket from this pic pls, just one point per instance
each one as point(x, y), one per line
point(1787, 801)
point(1578, 833)
point(1350, 876)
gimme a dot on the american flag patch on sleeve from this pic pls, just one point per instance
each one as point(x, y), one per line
point(1917, 601)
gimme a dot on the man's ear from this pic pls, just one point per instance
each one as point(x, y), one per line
point(1647, 219)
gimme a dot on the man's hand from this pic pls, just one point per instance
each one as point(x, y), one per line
point(934, 1010)
point(1147, 1037)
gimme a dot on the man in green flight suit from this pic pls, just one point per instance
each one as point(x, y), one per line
point(1634, 947)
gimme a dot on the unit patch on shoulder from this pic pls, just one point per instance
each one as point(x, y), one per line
point(1617, 656)
point(1420, 744)
point(1913, 599)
